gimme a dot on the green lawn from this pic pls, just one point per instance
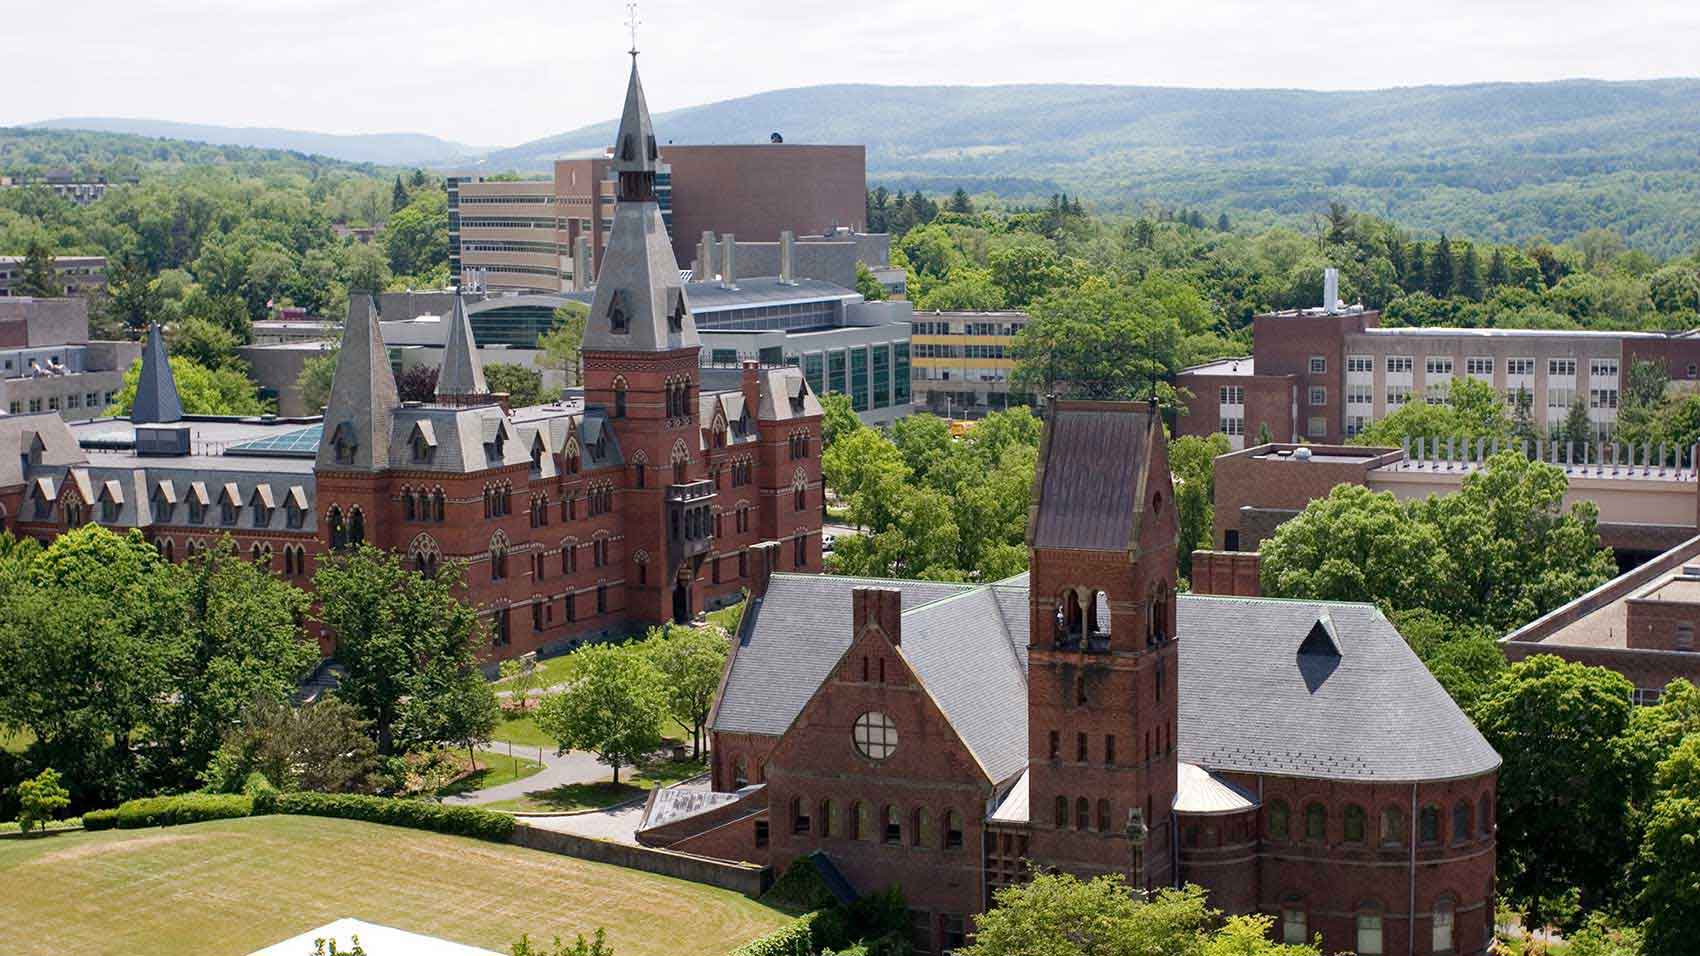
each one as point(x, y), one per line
point(494, 770)
point(234, 886)
point(592, 796)
point(522, 731)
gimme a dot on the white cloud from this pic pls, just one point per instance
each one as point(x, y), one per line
point(501, 73)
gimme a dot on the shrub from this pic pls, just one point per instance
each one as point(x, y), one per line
point(800, 888)
point(261, 791)
point(794, 937)
point(458, 821)
point(40, 799)
point(186, 808)
point(100, 819)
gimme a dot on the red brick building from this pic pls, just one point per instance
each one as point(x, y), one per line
point(639, 502)
point(1294, 758)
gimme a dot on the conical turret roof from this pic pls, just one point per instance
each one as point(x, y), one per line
point(363, 398)
point(462, 374)
point(157, 401)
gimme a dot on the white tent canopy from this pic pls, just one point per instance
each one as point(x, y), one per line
point(376, 940)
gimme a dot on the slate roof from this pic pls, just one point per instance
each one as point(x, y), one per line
point(1198, 791)
point(461, 373)
point(156, 388)
point(363, 395)
point(1092, 462)
point(1249, 701)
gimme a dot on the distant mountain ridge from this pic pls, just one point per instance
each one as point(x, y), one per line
point(385, 149)
point(1497, 160)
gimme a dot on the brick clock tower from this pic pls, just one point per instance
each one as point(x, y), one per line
point(1102, 672)
point(640, 364)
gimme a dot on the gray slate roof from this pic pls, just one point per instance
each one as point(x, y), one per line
point(363, 395)
point(461, 372)
point(156, 388)
point(1248, 701)
point(1091, 464)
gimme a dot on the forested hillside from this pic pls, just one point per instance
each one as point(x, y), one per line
point(390, 148)
point(1501, 162)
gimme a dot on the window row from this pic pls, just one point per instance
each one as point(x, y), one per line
point(1313, 826)
point(918, 827)
point(423, 506)
point(1369, 926)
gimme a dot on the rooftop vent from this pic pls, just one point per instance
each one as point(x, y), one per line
point(1691, 570)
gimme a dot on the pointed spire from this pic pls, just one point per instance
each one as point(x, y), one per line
point(363, 398)
point(634, 144)
point(461, 375)
point(156, 402)
point(640, 303)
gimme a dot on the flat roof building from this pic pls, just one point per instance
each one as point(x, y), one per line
point(964, 360)
point(79, 275)
point(48, 363)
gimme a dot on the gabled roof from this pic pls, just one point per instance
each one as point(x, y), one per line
point(785, 395)
point(461, 374)
point(156, 389)
point(1092, 465)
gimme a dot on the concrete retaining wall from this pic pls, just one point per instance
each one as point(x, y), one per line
point(745, 878)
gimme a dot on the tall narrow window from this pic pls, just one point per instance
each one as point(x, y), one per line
point(1369, 934)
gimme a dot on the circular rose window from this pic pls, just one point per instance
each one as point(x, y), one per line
point(875, 736)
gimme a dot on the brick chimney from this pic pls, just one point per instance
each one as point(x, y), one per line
point(764, 558)
point(751, 387)
point(882, 606)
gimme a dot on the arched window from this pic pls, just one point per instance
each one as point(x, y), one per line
point(828, 819)
point(1484, 815)
point(1316, 823)
point(1278, 820)
point(1392, 827)
point(437, 501)
point(740, 774)
point(800, 822)
point(952, 830)
point(166, 548)
point(1428, 828)
point(1103, 815)
point(407, 512)
point(921, 827)
point(1445, 917)
point(620, 383)
point(862, 817)
point(1369, 932)
point(893, 819)
point(339, 534)
point(1082, 813)
point(1354, 824)
point(356, 527)
point(1462, 826)
point(498, 557)
point(1061, 817)
point(1295, 923)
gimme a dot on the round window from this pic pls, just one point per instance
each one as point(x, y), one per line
point(875, 736)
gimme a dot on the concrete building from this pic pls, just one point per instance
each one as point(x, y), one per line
point(641, 500)
point(1641, 625)
point(508, 236)
point(66, 185)
point(1294, 758)
point(1645, 507)
point(963, 362)
point(79, 275)
point(1325, 374)
point(758, 191)
point(48, 364)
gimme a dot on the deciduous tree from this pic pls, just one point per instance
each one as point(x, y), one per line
point(690, 661)
point(612, 706)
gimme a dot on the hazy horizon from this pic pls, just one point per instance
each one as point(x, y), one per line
point(526, 71)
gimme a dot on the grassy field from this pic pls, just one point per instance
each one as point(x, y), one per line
point(234, 886)
point(634, 783)
point(494, 769)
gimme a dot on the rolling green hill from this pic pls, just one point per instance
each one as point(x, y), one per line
point(1495, 161)
point(389, 149)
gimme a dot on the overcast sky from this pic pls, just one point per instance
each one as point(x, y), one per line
point(500, 72)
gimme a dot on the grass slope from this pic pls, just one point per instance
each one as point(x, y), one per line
point(235, 886)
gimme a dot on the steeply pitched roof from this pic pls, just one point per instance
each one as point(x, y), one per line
point(462, 374)
point(1249, 701)
point(156, 390)
point(363, 397)
point(634, 142)
point(1092, 461)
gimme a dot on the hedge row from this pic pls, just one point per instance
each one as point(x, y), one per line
point(196, 807)
point(458, 821)
point(797, 936)
point(184, 808)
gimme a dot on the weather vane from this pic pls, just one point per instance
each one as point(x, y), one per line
point(632, 22)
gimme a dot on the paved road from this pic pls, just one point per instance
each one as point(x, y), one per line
point(558, 770)
point(618, 824)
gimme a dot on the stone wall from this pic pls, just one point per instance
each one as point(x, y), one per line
point(745, 878)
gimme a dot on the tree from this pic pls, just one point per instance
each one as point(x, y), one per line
point(1470, 274)
point(966, 290)
point(1353, 545)
point(37, 276)
point(417, 383)
point(40, 800)
point(134, 301)
point(1670, 854)
point(241, 644)
point(323, 746)
point(1097, 341)
point(612, 706)
point(398, 197)
point(1562, 783)
point(406, 640)
point(1577, 433)
point(203, 391)
point(524, 386)
point(417, 235)
point(1441, 273)
point(867, 285)
point(960, 203)
point(367, 270)
point(856, 460)
point(837, 418)
point(463, 710)
point(690, 661)
point(1498, 273)
point(563, 343)
point(1192, 462)
point(208, 345)
point(316, 378)
point(1056, 914)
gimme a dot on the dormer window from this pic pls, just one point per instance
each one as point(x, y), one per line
point(423, 442)
point(676, 318)
point(343, 444)
point(628, 149)
point(162, 507)
point(197, 511)
point(618, 313)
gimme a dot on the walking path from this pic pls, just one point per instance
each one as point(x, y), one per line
point(558, 770)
